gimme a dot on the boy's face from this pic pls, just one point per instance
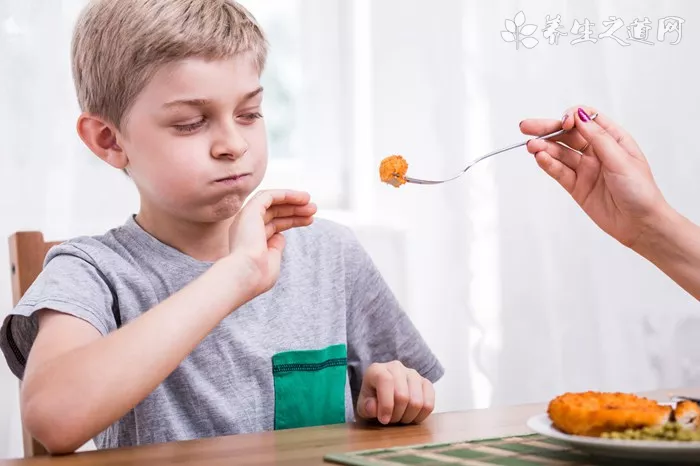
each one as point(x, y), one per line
point(195, 140)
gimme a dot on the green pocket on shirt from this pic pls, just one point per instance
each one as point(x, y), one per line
point(310, 387)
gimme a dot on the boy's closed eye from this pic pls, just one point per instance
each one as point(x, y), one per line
point(250, 118)
point(192, 126)
point(189, 127)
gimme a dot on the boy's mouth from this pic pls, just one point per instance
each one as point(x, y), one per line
point(232, 178)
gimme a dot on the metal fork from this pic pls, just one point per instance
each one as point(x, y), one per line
point(677, 398)
point(546, 136)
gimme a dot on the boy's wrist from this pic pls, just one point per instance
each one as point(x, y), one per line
point(241, 274)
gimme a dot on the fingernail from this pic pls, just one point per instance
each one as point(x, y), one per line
point(563, 119)
point(368, 407)
point(385, 419)
point(583, 116)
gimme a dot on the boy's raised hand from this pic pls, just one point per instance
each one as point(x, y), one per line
point(69, 354)
point(255, 238)
point(392, 393)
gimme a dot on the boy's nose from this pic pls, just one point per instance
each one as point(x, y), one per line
point(230, 144)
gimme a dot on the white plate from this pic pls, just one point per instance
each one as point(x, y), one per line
point(646, 450)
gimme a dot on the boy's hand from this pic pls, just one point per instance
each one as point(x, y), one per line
point(392, 393)
point(255, 237)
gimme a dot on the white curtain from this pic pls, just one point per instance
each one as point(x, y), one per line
point(518, 293)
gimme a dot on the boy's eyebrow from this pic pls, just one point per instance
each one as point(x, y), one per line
point(203, 102)
point(250, 95)
point(187, 102)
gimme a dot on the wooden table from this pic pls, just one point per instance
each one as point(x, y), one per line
point(306, 447)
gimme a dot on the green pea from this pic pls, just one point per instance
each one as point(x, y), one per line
point(671, 431)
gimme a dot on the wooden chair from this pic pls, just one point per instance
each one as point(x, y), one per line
point(27, 252)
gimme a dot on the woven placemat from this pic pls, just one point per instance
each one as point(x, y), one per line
point(526, 450)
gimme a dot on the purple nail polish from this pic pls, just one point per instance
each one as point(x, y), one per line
point(583, 116)
point(566, 115)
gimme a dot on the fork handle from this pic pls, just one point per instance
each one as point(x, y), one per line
point(519, 144)
point(490, 154)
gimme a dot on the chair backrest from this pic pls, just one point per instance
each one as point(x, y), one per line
point(27, 252)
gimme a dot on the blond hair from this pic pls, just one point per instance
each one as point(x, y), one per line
point(119, 44)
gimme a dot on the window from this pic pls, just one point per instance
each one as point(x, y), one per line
point(308, 108)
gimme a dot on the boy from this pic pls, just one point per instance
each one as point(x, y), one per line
point(198, 317)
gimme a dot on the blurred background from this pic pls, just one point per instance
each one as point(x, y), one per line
point(517, 292)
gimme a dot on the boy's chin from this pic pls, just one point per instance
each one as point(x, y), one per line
point(207, 209)
point(226, 207)
point(219, 211)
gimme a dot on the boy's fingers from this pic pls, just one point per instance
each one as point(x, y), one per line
point(276, 245)
point(288, 196)
point(265, 199)
point(278, 225)
point(379, 379)
point(401, 392)
point(415, 401)
point(428, 401)
point(564, 175)
point(289, 210)
point(367, 407)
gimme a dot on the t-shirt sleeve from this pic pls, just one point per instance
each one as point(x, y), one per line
point(378, 330)
point(69, 283)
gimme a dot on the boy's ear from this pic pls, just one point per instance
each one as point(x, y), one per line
point(101, 137)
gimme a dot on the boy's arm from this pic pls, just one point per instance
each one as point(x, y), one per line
point(77, 383)
point(391, 366)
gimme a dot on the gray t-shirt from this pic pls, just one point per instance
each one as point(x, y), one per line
point(291, 357)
